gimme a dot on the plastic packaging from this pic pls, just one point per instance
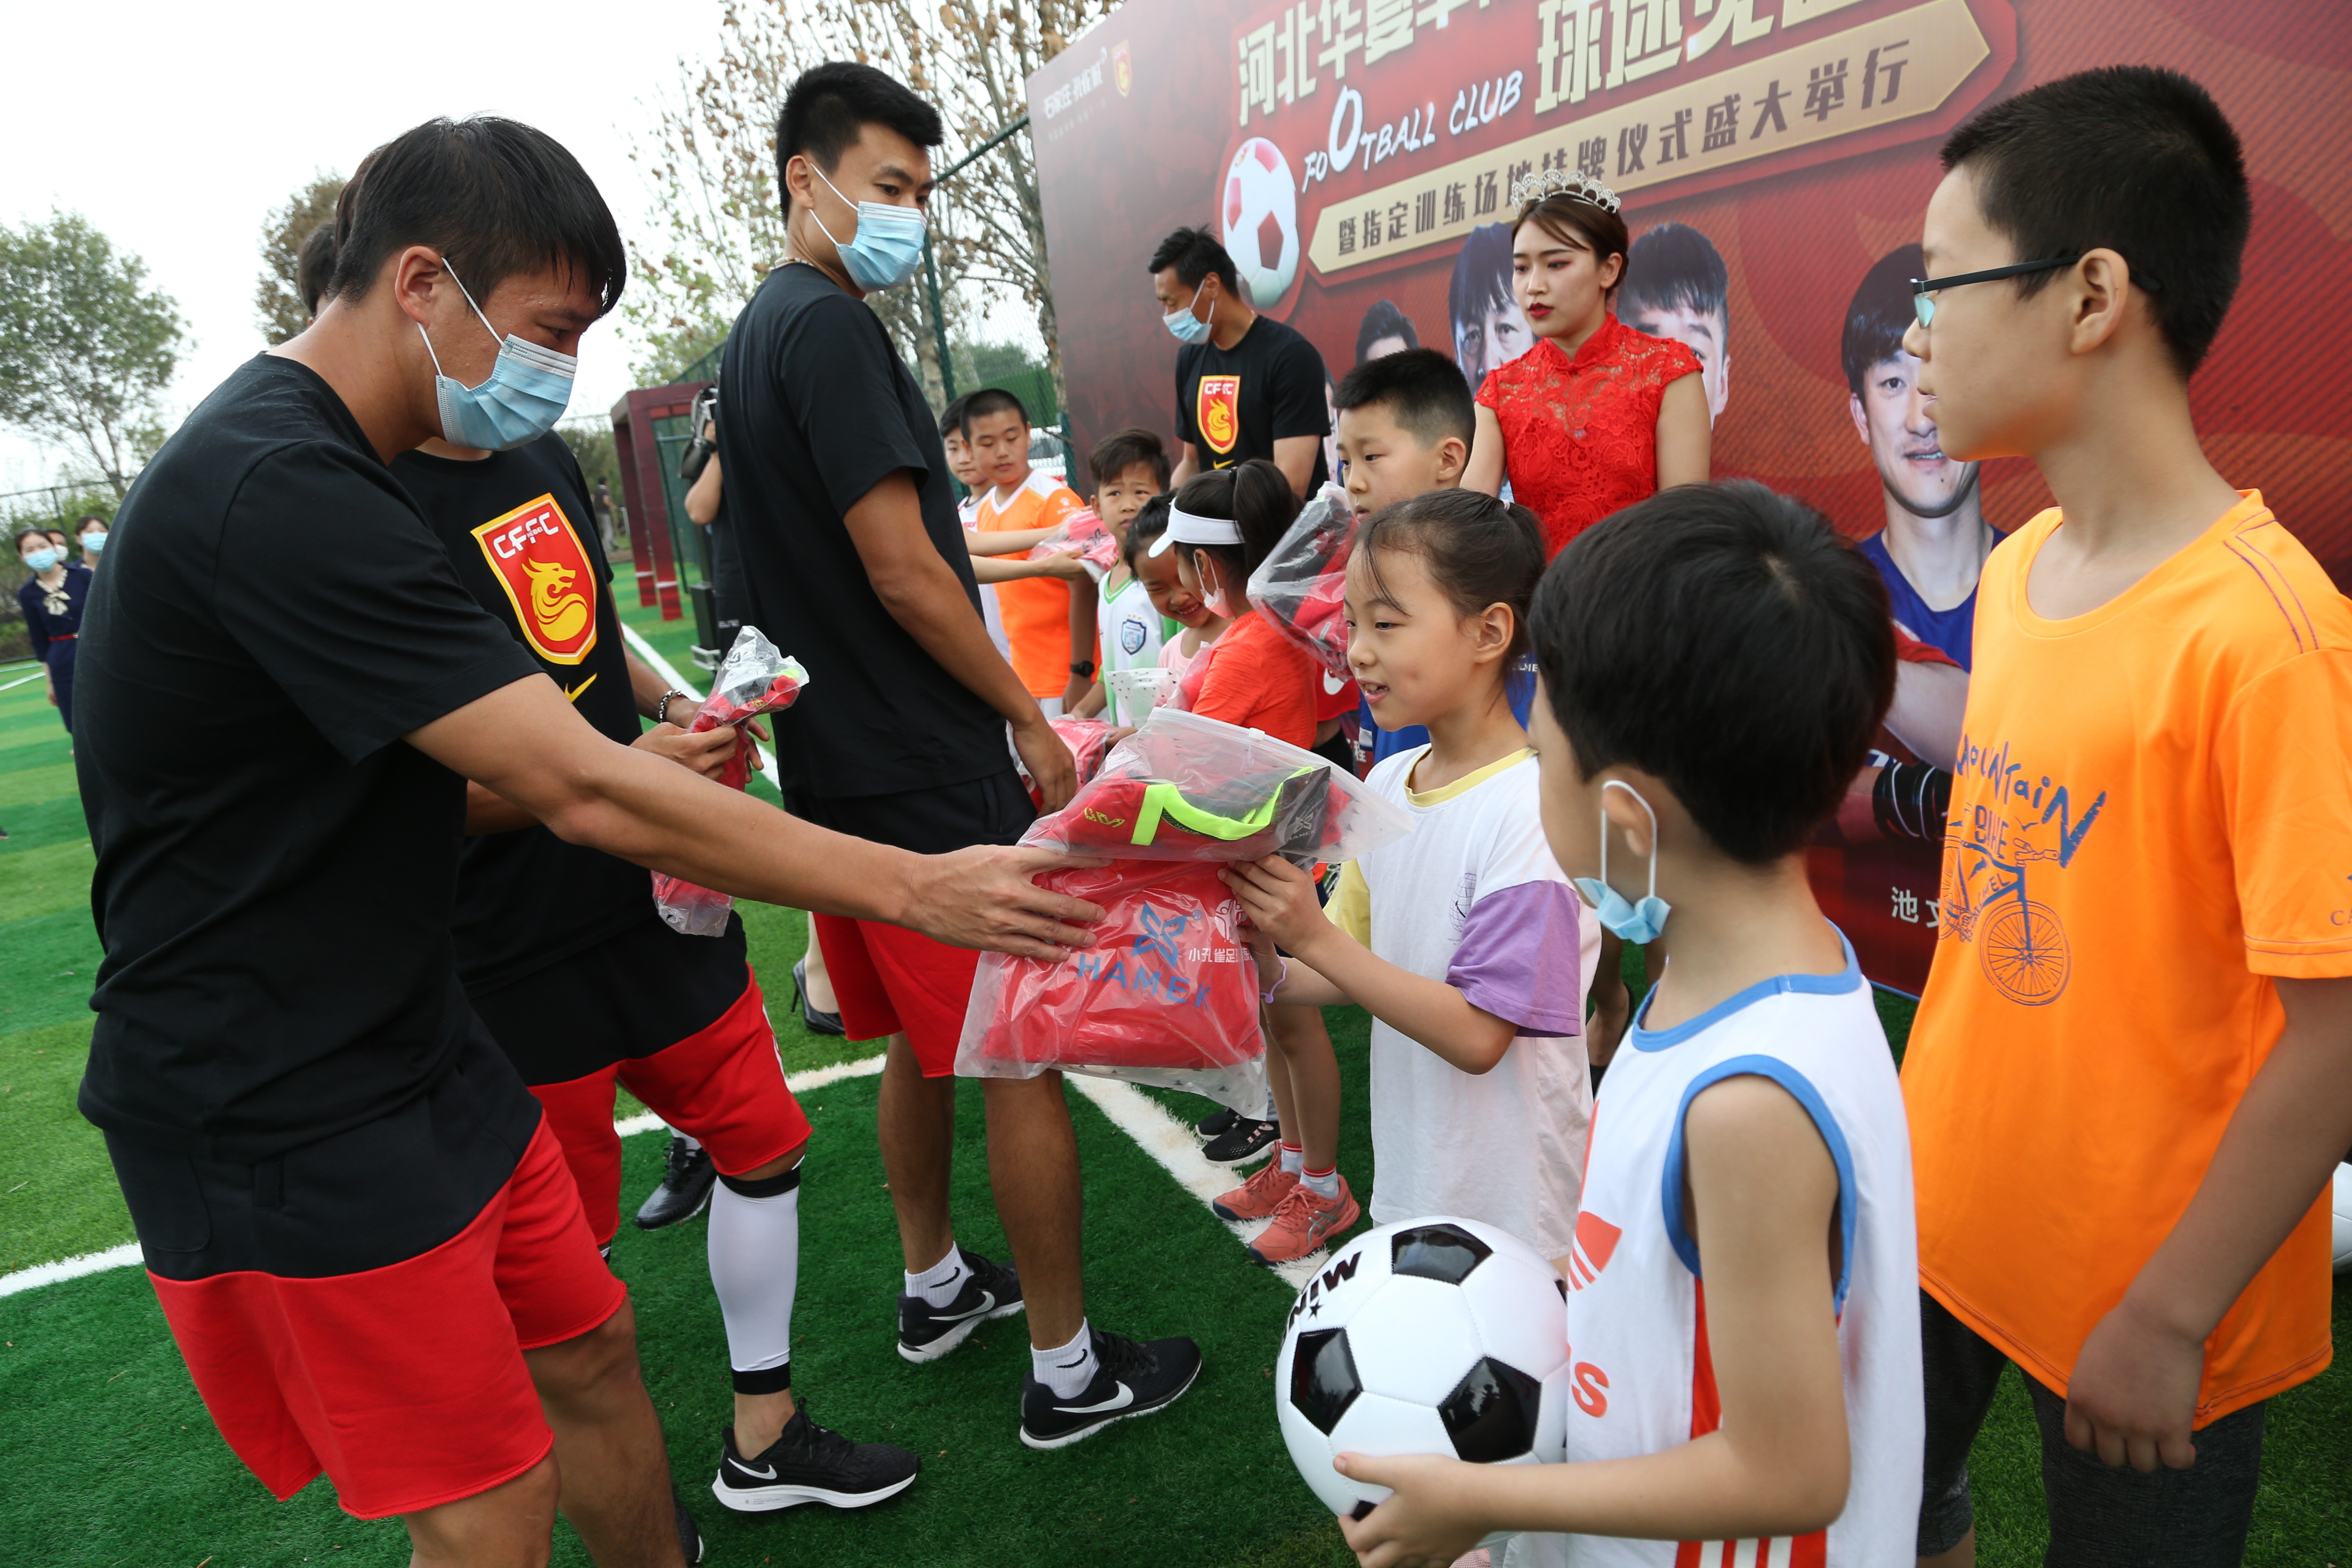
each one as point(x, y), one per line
point(1089, 741)
point(1141, 691)
point(1168, 994)
point(1183, 787)
point(753, 679)
point(1302, 587)
point(1082, 534)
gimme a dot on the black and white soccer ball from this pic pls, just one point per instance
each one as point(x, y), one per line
point(1436, 1336)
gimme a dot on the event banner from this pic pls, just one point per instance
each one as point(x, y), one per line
point(1774, 157)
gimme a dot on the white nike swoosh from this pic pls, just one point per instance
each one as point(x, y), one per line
point(768, 1475)
point(1332, 687)
point(987, 1303)
point(1126, 1397)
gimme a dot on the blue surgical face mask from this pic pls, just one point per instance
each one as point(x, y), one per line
point(94, 541)
point(888, 246)
point(1637, 923)
point(42, 560)
point(526, 393)
point(1186, 327)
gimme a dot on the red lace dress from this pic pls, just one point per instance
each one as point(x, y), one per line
point(1580, 436)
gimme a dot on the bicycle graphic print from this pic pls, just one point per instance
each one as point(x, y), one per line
point(2021, 944)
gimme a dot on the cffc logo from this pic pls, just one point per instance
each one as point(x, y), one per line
point(545, 569)
point(1217, 410)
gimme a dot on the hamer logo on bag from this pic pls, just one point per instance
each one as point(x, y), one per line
point(549, 580)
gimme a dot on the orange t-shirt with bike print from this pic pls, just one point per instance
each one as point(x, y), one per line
point(2152, 818)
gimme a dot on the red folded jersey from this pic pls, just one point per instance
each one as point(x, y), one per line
point(1089, 743)
point(1168, 982)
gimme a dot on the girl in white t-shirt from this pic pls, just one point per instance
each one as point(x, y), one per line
point(1464, 940)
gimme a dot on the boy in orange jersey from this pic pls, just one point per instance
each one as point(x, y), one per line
point(2131, 1076)
point(1052, 630)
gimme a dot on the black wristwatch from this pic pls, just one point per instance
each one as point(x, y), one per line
point(1084, 667)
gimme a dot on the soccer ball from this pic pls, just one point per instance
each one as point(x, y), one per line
point(2343, 1207)
point(1436, 1336)
point(1261, 214)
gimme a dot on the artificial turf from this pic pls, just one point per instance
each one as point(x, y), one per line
point(112, 1461)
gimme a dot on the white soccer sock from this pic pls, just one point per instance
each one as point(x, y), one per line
point(1066, 1369)
point(755, 1267)
point(939, 1284)
point(1294, 1158)
point(1322, 1184)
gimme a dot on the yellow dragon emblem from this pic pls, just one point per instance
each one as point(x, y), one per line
point(560, 610)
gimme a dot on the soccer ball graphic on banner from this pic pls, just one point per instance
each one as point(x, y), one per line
point(1261, 214)
point(1436, 1336)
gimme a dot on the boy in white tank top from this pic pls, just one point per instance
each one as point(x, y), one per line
point(1742, 1293)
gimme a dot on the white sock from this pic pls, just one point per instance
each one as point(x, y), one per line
point(1294, 1158)
point(939, 1284)
point(755, 1266)
point(1066, 1369)
point(1322, 1184)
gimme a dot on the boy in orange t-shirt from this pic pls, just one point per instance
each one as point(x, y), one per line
point(2131, 1076)
point(1052, 630)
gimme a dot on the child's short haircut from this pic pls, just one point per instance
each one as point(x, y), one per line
point(1674, 266)
point(1144, 527)
point(1480, 551)
point(988, 400)
point(1423, 391)
point(1725, 639)
point(1132, 448)
point(952, 417)
point(2133, 158)
point(1879, 313)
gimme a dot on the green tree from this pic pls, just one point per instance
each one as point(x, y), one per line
point(86, 348)
point(277, 308)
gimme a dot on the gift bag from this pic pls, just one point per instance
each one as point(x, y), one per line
point(1183, 787)
point(1088, 739)
point(1167, 995)
point(1302, 586)
point(1082, 534)
point(753, 679)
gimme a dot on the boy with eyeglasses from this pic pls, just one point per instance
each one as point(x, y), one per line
point(2131, 1076)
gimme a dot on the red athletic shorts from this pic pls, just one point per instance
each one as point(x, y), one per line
point(721, 1085)
point(890, 981)
point(404, 1383)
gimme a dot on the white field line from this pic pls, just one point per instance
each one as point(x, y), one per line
point(70, 1268)
point(668, 671)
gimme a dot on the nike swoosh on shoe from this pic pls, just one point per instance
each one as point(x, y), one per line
point(987, 1304)
point(1125, 1398)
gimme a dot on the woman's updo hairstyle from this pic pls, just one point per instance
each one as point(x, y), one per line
point(1573, 218)
point(1478, 551)
point(1253, 494)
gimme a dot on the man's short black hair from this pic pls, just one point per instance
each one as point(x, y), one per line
point(2133, 158)
point(1726, 640)
point(989, 400)
point(1880, 313)
point(1674, 266)
point(1195, 253)
point(1386, 319)
point(496, 198)
point(831, 104)
point(1423, 391)
point(952, 417)
point(1132, 448)
point(314, 266)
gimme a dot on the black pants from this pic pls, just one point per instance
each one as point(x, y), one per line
point(2101, 1516)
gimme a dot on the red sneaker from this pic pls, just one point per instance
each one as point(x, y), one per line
point(1261, 1195)
point(1304, 1222)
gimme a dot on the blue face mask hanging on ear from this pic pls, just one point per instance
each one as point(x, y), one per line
point(528, 389)
point(888, 246)
point(1637, 923)
point(1186, 327)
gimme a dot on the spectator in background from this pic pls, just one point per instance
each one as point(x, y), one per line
point(52, 601)
point(1676, 287)
point(1935, 538)
point(1386, 330)
point(608, 527)
point(90, 533)
point(1489, 329)
point(314, 266)
point(1247, 386)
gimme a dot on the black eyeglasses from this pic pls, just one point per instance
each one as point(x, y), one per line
point(1921, 287)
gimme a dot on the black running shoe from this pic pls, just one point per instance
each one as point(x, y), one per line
point(1131, 1379)
point(990, 1290)
point(687, 1177)
point(689, 1536)
point(1244, 1138)
point(1216, 1121)
point(809, 1463)
point(816, 1022)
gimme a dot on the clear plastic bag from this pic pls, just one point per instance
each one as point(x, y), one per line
point(1088, 739)
point(1083, 534)
point(1302, 587)
point(1141, 691)
point(1168, 995)
point(1184, 787)
point(753, 679)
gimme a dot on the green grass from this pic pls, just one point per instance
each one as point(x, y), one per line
point(112, 1462)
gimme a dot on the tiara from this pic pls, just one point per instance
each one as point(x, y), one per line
point(1556, 182)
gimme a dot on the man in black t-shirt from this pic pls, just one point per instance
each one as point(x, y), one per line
point(584, 987)
point(854, 558)
point(360, 1227)
point(1247, 386)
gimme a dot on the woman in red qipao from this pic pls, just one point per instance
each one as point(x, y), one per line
point(1596, 415)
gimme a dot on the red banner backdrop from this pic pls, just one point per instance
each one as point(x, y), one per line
point(1356, 154)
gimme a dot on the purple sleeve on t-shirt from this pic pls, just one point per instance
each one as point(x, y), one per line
point(1520, 958)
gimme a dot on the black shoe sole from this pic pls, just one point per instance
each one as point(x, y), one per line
point(1081, 1433)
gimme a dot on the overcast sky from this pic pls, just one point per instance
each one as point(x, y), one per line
point(175, 128)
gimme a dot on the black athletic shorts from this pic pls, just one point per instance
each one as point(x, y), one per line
point(635, 992)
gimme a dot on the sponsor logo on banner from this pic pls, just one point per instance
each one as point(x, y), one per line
point(1122, 70)
point(1217, 411)
point(545, 570)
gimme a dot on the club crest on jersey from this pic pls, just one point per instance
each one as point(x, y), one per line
point(548, 576)
point(1217, 411)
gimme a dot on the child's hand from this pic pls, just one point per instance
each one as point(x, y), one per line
point(1423, 1523)
point(1279, 899)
